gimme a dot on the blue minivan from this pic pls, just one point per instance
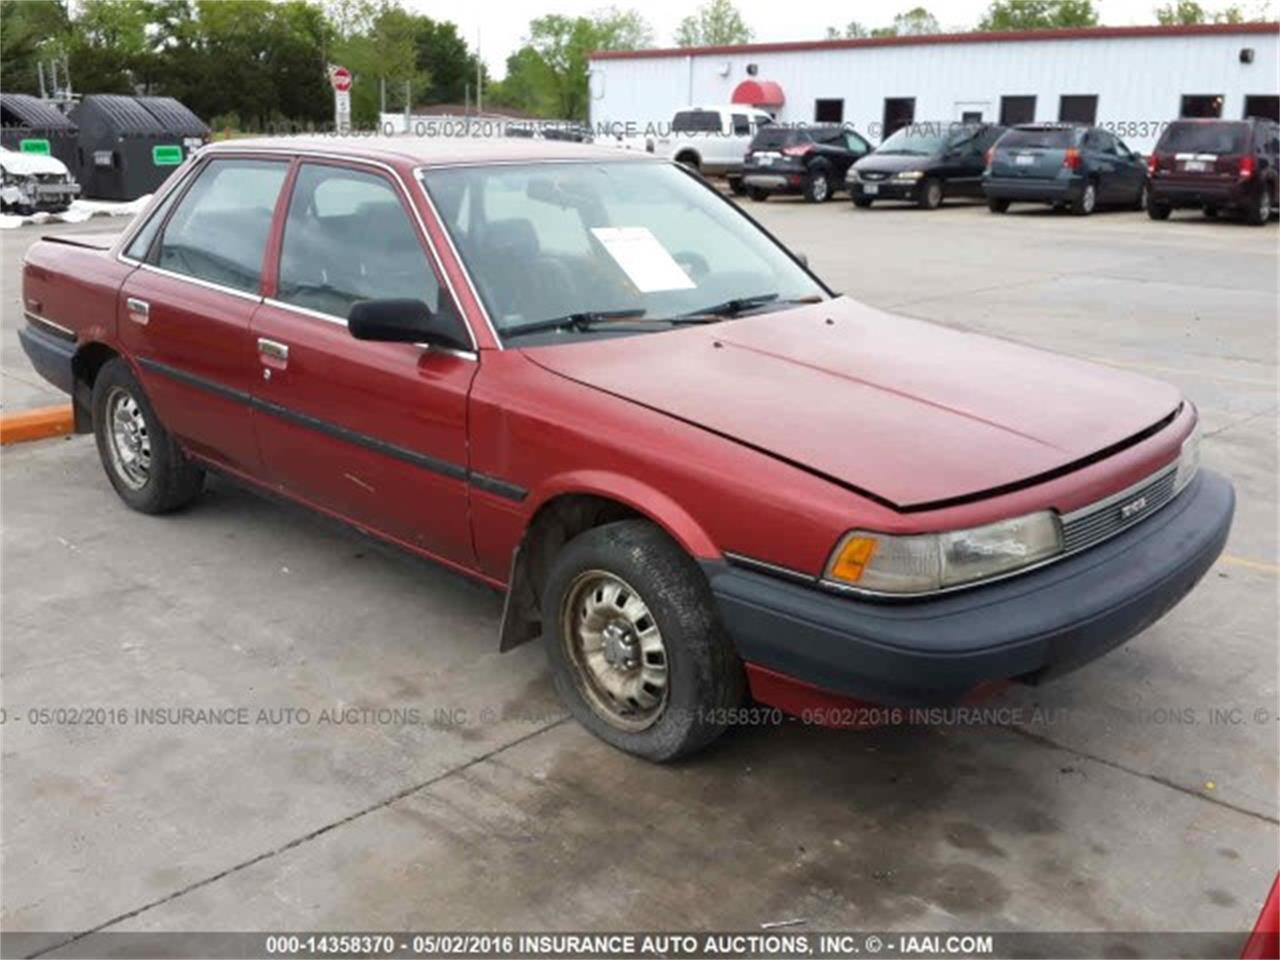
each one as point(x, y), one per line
point(1077, 167)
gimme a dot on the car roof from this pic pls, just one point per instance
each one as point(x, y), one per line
point(431, 151)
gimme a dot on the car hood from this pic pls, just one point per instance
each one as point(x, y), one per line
point(911, 413)
point(30, 164)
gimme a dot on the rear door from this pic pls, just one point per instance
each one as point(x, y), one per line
point(373, 432)
point(186, 310)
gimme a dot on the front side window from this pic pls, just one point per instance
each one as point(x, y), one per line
point(219, 230)
point(348, 237)
point(741, 125)
point(642, 239)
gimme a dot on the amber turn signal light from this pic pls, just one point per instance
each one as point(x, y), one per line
point(853, 559)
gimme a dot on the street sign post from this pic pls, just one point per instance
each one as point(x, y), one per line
point(340, 78)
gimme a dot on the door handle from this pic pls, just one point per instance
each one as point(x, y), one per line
point(273, 349)
point(139, 310)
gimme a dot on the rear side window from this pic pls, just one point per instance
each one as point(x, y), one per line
point(141, 243)
point(348, 237)
point(741, 125)
point(219, 230)
point(1039, 139)
point(696, 121)
point(1219, 138)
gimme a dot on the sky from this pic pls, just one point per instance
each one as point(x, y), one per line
point(501, 25)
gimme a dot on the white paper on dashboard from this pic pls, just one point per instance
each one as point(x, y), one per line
point(643, 259)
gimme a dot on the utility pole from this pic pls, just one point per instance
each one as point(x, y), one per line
point(479, 76)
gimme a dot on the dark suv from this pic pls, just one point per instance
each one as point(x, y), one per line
point(1216, 165)
point(924, 163)
point(1076, 166)
point(811, 160)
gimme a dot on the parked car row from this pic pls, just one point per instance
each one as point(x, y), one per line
point(1211, 165)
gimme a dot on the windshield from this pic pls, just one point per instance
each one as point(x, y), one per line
point(1222, 138)
point(642, 240)
point(922, 139)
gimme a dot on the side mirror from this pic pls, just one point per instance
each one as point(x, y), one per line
point(406, 321)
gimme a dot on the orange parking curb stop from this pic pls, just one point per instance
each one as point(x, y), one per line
point(36, 424)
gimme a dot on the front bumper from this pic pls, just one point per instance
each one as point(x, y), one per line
point(41, 196)
point(1031, 191)
point(1029, 627)
point(883, 189)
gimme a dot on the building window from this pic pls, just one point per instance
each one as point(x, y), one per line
point(1078, 108)
point(1260, 105)
point(1201, 105)
point(899, 112)
point(1015, 110)
point(828, 111)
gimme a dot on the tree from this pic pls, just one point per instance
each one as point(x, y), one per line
point(1038, 15)
point(716, 23)
point(852, 31)
point(445, 58)
point(1189, 12)
point(30, 31)
point(548, 75)
point(911, 23)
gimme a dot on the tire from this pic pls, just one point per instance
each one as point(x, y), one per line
point(1144, 197)
point(143, 462)
point(817, 189)
point(1158, 211)
point(997, 205)
point(689, 160)
point(736, 187)
point(1211, 213)
point(702, 677)
point(758, 194)
point(1259, 212)
point(1087, 202)
point(862, 202)
point(930, 195)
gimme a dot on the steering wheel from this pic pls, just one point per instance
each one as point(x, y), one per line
point(695, 265)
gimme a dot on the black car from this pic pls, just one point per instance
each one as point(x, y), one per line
point(1079, 167)
point(1216, 165)
point(810, 160)
point(925, 163)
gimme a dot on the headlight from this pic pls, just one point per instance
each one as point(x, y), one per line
point(852, 176)
point(880, 563)
point(909, 175)
point(1188, 459)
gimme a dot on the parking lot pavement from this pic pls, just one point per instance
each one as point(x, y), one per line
point(1142, 795)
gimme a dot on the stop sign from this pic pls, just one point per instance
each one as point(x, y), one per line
point(341, 79)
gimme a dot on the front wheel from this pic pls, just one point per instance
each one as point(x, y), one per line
point(930, 194)
point(1144, 197)
point(637, 653)
point(143, 462)
point(758, 194)
point(736, 187)
point(997, 204)
point(862, 202)
point(1158, 211)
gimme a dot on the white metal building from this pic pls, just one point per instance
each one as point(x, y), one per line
point(1129, 79)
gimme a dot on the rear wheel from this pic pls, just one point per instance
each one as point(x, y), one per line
point(997, 205)
point(930, 194)
point(736, 187)
point(862, 202)
point(636, 650)
point(1211, 213)
point(1084, 204)
point(758, 194)
point(1158, 211)
point(143, 462)
point(818, 187)
point(689, 160)
point(1144, 195)
point(1259, 212)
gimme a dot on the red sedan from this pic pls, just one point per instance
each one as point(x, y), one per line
point(583, 377)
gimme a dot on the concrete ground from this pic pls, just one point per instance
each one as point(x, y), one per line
point(1142, 795)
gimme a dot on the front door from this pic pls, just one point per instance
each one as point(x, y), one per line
point(185, 312)
point(372, 432)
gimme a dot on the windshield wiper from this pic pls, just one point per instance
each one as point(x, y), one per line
point(599, 319)
point(731, 308)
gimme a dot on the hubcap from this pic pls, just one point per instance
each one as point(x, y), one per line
point(616, 649)
point(1090, 196)
point(935, 194)
point(1264, 205)
point(1142, 199)
point(128, 438)
point(820, 188)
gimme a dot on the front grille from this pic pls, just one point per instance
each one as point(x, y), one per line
point(1098, 521)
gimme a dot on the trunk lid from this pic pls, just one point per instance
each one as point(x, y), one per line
point(909, 412)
